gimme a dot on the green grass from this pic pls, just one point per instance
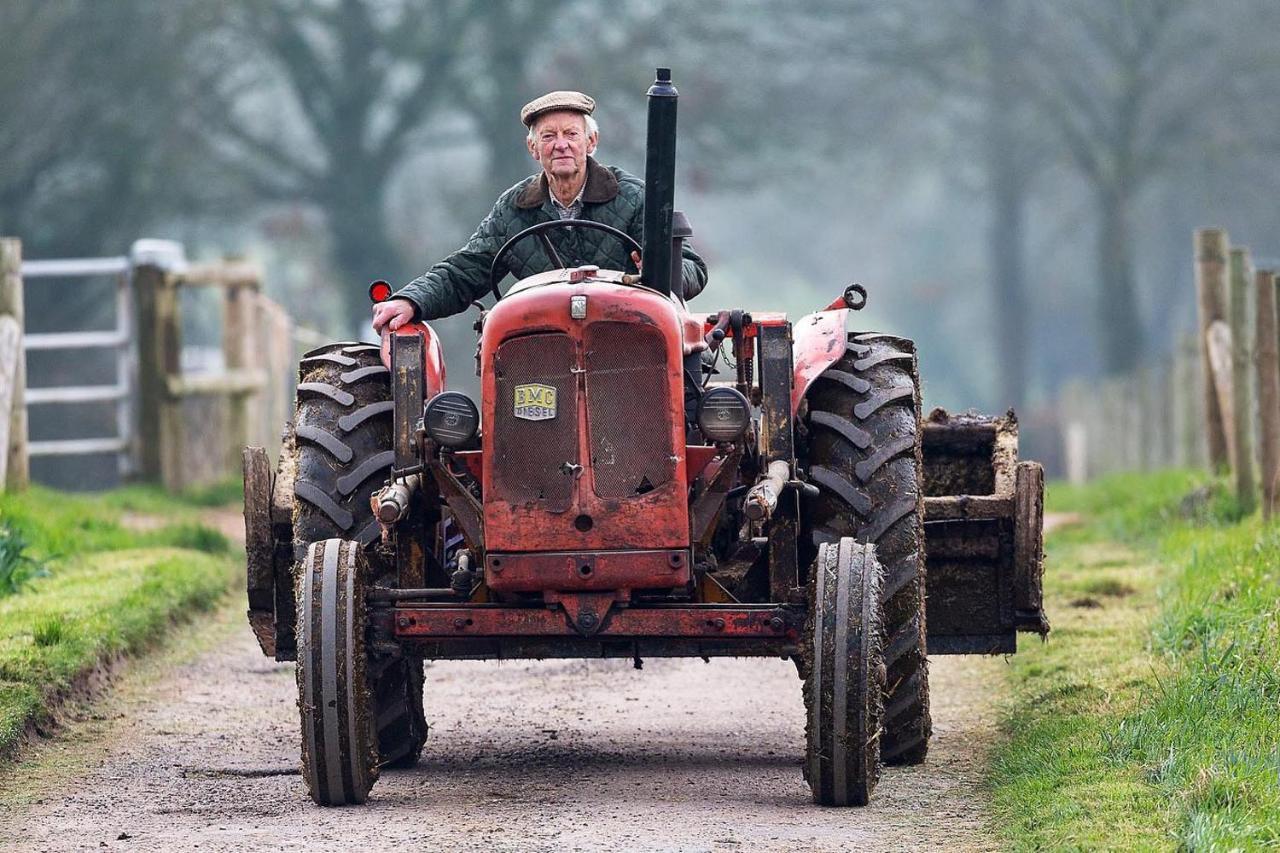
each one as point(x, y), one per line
point(106, 589)
point(57, 525)
point(1149, 719)
point(16, 565)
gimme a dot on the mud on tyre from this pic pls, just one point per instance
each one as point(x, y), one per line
point(844, 685)
point(342, 434)
point(861, 448)
point(339, 741)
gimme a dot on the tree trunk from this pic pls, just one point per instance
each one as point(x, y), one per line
point(15, 473)
point(509, 159)
point(504, 93)
point(362, 250)
point(1118, 317)
point(1007, 182)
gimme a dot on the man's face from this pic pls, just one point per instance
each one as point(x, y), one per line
point(561, 143)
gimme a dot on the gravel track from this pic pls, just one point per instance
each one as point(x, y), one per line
point(202, 753)
point(573, 755)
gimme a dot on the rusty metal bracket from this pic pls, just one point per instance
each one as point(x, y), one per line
point(259, 544)
point(707, 506)
point(407, 394)
point(586, 612)
point(408, 391)
point(467, 511)
point(778, 445)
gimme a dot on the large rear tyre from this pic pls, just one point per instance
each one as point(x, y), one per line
point(343, 452)
point(862, 449)
point(339, 740)
point(844, 690)
point(402, 725)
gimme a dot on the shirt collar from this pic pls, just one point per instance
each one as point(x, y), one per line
point(601, 186)
point(573, 206)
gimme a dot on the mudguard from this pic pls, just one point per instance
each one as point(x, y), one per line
point(817, 342)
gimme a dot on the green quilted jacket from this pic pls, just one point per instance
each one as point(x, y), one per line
point(611, 196)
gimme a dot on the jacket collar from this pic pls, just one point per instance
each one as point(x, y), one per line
point(601, 186)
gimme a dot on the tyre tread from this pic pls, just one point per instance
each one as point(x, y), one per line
point(871, 490)
point(344, 401)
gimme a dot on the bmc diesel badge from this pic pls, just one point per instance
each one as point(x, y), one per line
point(535, 402)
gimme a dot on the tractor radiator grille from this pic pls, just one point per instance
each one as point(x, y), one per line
point(533, 457)
point(628, 409)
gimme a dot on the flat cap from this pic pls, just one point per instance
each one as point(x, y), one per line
point(575, 101)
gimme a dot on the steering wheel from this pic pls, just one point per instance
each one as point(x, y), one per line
point(496, 271)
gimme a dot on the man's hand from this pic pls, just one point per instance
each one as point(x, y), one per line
point(391, 315)
point(635, 259)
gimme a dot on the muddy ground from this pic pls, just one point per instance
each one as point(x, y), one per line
point(198, 749)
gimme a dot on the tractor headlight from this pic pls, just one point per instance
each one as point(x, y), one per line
point(451, 419)
point(723, 414)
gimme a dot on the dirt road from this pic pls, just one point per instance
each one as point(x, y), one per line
point(199, 750)
point(522, 756)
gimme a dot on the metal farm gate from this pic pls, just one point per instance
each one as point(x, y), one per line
point(118, 342)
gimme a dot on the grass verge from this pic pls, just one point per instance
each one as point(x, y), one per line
point(103, 590)
point(1149, 719)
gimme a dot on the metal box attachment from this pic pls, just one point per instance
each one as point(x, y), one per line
point(983, 535)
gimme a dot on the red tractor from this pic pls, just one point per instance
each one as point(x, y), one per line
point(611, 497)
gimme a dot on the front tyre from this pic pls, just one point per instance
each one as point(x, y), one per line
point(339, 738)
point(843, 691)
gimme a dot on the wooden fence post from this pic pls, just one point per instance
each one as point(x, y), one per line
point(1268, 366)
point(1241, 398)
point(1153, 426)
point(238, 340)
point(15, 469)
point(10, 350)
point(1187, 402)
point(277, 348)
point(160, 427)
point(1218, 341)
point(1075, 432)
point(1211, 247)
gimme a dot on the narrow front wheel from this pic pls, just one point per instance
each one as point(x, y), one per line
point(339, 737)
point(843, 690)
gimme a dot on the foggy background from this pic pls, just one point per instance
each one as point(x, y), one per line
point(1015, 183)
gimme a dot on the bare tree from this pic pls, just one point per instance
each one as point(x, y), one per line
point(337, 93)
point(1131, 89)
point(967, 58)
point(93, 135)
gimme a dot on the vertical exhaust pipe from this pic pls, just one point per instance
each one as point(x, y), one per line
point(660, 183)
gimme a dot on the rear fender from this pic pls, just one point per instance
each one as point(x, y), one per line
point(432, 356)
point(817, 342)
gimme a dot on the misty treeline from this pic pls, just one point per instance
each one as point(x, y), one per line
point(1016, 182)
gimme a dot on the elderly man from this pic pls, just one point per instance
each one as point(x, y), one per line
point(572, 185)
